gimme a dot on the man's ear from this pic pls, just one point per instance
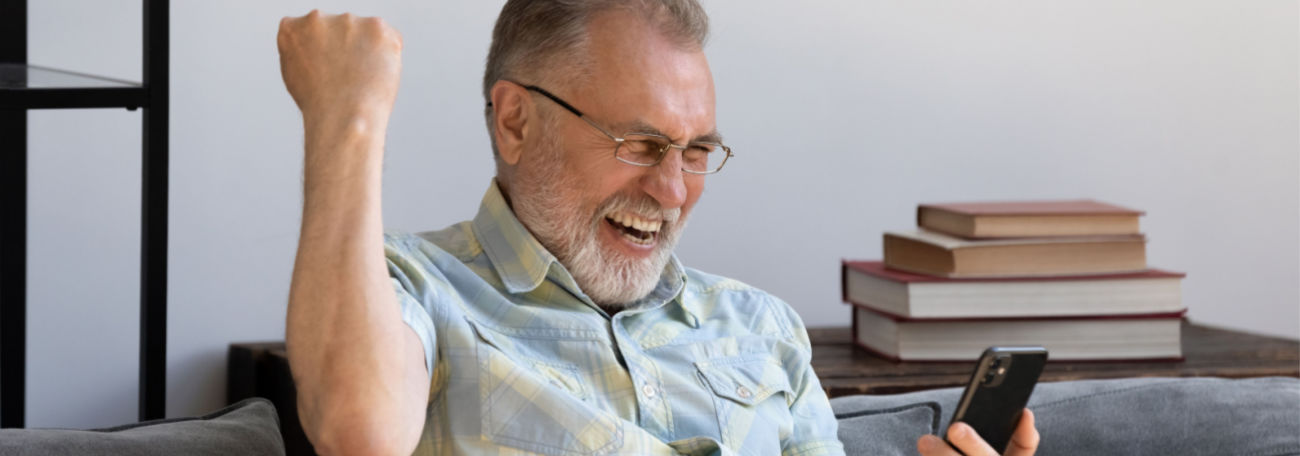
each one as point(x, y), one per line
point(510, 116)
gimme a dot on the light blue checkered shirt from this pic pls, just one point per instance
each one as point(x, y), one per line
point(522, 362)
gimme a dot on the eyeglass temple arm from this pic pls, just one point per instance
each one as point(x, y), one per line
point(554, 98)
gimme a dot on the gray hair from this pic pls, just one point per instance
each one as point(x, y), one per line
point(543, 41)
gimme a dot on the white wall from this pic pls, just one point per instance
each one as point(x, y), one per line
point(843, 115)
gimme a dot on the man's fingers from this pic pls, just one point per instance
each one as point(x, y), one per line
point(964, 438)
point(339, 64)
point(283, 34)
point(929, 445)
point(1024, 442)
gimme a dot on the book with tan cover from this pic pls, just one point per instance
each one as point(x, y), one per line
point(1017, 219)
point(931, 253)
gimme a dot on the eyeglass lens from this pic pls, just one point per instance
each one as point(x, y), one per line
point(647, 150)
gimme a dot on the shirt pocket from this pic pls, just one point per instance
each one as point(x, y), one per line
point(536, 405)
point(565, 376)
point(752, 397)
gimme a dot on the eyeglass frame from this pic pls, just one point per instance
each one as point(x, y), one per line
point(619, 141)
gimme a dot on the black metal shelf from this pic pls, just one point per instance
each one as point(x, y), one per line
point(25, 87)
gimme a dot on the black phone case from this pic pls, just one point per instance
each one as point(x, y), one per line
point(993, 408)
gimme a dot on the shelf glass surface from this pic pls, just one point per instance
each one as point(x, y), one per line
point(18, 76)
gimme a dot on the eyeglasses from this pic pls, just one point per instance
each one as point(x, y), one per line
point(648, 149)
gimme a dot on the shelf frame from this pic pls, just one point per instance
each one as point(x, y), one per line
point(74, 98)
point(17, 91)
point(151, 97)
point(13, 228)
point(153, 213)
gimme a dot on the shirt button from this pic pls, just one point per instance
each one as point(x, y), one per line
point(744, 393)
point(649, 391)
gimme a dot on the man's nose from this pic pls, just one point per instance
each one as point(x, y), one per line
point(665, 182)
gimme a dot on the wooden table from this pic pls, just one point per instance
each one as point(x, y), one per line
point(846, 369)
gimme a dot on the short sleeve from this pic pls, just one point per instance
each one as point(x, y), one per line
point(413, 286)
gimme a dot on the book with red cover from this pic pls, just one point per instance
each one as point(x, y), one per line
point(908, 295)
point(1013, 219)
point(1148, 337)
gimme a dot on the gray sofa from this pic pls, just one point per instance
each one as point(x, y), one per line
point(1142, 416)
point(249, 428)
point(1160, 416)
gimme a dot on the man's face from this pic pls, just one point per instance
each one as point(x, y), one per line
point(614, 225)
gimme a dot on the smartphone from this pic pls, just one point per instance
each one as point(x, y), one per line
point(998, 390)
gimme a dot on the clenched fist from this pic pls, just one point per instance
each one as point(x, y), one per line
point(340, 66)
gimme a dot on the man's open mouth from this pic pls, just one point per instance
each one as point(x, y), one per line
point(638, 230)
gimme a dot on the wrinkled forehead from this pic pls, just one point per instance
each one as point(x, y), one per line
point(641, 78)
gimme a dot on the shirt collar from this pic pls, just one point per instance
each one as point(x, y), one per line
point(523, 263)
point(519, 259)
point(672, 287)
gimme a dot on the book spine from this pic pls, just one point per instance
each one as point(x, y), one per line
point(907, 319)
point(853, 325)
point(900, 359)
point(844, 280)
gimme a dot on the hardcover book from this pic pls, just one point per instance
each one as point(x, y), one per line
point(1150, 337)
point(1029, 219)
point(907, 295)
point(931, 253)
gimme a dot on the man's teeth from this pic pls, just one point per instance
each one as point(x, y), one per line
point(636, 223)
point(637, 240)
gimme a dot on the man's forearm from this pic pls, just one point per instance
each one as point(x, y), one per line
point(359, 370)
point(350, 352)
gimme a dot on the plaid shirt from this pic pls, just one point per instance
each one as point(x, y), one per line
point(522, 362)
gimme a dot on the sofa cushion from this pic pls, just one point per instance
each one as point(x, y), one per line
point(249, 427)
point(1163, 416)
point(1140, 416)
point(886, 431)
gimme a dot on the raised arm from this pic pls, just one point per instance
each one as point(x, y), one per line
point(359, 370)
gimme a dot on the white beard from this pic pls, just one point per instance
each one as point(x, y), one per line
point(548, 201)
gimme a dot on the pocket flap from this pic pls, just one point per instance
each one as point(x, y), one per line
point(746, 380)
point(563, 376)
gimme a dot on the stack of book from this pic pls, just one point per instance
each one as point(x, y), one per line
point(1068, 275)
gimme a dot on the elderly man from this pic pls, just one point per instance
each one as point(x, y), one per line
point(558, 320)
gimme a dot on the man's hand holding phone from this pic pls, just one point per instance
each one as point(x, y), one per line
point(1023, 442)
point(991, 416)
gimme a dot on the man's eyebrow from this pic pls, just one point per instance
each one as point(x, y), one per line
point(641, 126)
